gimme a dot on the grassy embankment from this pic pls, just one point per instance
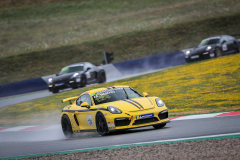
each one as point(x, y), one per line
point(38, 40)
point(202, 87)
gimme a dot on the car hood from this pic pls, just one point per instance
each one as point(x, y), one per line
point(132, 105)
point(200, 49)
point(64, 77)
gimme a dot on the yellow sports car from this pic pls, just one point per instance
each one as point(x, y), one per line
point(112, 108)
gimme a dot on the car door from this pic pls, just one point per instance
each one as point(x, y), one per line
point(224, 44)
point(86, 116)
point(88, 72)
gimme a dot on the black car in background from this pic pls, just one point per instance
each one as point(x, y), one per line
point(76, 75)
point(213, 47)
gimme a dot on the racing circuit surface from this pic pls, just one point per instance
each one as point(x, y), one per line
point(7, 101)
point(18, 143)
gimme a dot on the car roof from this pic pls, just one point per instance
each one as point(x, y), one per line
point(102, 89)
point(218, 36)
point(76, 64)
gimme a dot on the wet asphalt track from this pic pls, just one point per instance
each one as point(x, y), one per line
point(53, 140)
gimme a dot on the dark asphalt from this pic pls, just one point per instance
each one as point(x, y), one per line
point(45, 141)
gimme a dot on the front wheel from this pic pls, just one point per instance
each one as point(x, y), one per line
point(238, 47)
point(55, 90)
point(101, 124)
point(102, 78)
point(83, 81)
point(66, 127)
point(218, 52)
point(159, 126)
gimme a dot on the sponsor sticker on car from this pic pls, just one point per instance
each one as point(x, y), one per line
point(145, 116)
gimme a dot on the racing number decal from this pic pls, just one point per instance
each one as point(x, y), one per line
point(224, 47)
point(88, 75)
point(89, 120)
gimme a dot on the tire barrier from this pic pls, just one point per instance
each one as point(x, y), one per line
point(151, 63)
point(22, 87)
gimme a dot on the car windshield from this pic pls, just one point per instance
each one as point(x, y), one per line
point(111, 95)
point(71, 69)
point(209, 41)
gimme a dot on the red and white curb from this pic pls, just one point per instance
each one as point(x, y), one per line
point(47, 127)
point(200, 116)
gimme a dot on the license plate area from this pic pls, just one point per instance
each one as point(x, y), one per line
point(194, 57)
point(142, 116)
point(59, 84)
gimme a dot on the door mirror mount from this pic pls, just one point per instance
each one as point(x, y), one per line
point(145, 94)
point(85, 104)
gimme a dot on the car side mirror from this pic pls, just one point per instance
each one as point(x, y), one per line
point(85, 104)
point(145, 94)
point(57, 74)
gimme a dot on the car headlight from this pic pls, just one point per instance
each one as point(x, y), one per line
point(50, 80)
point(208, 48)
point(187, 53)
point(159, 102)
point(75, 75)
point(114, 110)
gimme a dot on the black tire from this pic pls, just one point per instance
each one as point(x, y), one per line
point(74, 86)
point(83, 81)
point(67, 127)
point(101, 124)
point(159, 126)
point(238, 46)
point(102, 77)
point(55, 90)
point(187, 60)
point(218, 52)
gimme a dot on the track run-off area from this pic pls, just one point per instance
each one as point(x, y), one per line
point(28, 141)
point(31, 140)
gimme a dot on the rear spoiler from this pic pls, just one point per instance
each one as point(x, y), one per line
point(235, 35)
point(69, 99)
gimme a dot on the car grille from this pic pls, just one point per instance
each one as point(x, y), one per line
point(163, 115)
point(145, 120)
point(122, 122)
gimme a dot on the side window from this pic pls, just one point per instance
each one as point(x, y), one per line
point(131, 93)
point(88, 65)
point(224, 38)
point(84, 98)
point(231, 38)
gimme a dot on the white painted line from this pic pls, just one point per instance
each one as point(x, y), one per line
point(15, 128)
point(197, 116)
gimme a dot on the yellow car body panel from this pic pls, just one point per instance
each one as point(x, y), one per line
point(83, 119)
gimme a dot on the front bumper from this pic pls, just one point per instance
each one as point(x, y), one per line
point(201, 56)
point(64, 85)
point(117, 122)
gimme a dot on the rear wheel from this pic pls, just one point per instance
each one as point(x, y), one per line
point(101, 123)
point(159, 126)
point(66, 127)
point(218, 52)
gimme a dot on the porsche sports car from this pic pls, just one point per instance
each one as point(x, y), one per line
point(213, 47)
point(76, 75)
point(112, 108)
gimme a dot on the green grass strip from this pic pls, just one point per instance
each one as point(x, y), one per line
point(124, 146)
